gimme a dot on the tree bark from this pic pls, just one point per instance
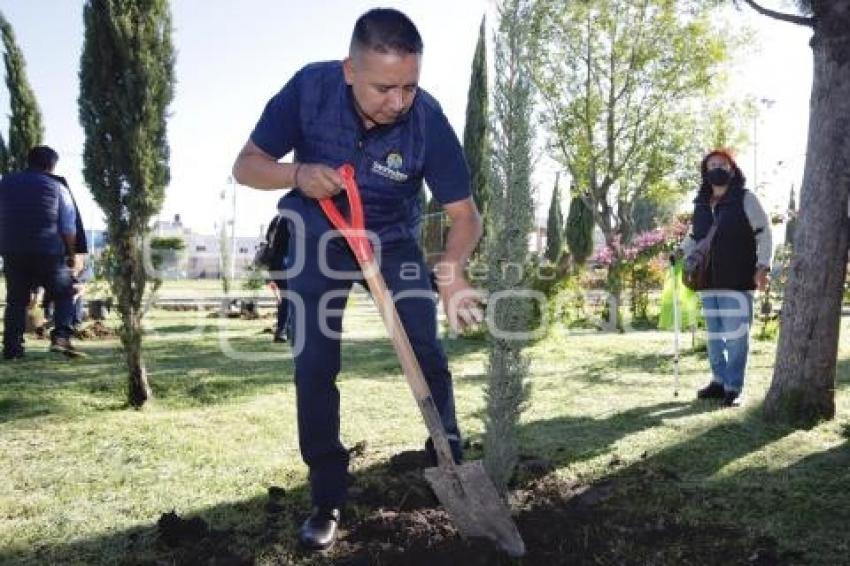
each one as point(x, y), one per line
point(791, 18)
point(614, 287)
point(803, 387)
point(139, 389)
point(130, 288)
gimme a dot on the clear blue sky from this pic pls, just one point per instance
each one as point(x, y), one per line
point(232, 56)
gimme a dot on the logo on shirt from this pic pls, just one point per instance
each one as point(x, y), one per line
point(391, 170)
point(394, 160)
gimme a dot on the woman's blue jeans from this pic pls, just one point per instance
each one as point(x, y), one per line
point(728, 317)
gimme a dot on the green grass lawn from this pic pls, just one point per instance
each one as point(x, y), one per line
point(175, 288)
point(85, 479)
point(197, 287)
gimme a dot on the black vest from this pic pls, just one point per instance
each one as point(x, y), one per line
point(277, 238)
point(732, 262)
point(82, 244)
point(332, 134)
point(29, 213)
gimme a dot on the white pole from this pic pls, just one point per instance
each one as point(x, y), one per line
point(233, 232)
point(676, 324)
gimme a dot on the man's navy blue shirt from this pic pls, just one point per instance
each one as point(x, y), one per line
point(35, 208)
point(314, 115)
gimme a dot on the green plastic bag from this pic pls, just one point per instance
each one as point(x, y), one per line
point(689, 305)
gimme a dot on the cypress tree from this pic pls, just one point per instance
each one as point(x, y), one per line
point(579, 230)
point(510, 312)
point(25, 124)
point(555, 226)
point(475, 130)
point(432, 231)
point(4, 156)
point(791, 227)
point(126, 85)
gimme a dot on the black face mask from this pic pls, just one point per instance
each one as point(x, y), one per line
point(718, 176)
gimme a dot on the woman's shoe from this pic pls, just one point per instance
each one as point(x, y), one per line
point(713, 390)
point(731, 399)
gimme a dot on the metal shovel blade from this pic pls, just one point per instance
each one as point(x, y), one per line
point(474, 505)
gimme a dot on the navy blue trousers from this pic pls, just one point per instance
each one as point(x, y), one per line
point(282, 307)
point(24, 272)
point(317, 350)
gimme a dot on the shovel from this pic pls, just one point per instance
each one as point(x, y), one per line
point(465, 490)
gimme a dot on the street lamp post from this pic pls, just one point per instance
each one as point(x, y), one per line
point(233, 232)
point(768, 103)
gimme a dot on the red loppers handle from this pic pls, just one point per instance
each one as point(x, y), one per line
point(354, 231)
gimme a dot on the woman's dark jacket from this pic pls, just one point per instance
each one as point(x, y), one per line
point(732, 263)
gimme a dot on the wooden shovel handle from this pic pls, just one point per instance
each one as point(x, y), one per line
point(355, 235)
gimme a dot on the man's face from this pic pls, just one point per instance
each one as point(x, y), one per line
point(384, 84)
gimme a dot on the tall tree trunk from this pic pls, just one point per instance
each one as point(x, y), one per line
point(614, 277)
point(803, 386)
point(139, 390)
point(130, 288)
point(614, 287)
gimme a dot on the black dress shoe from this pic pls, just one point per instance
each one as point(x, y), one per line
point(319, 530)
point(731, 399)
point(713, 390)
point(280, 337)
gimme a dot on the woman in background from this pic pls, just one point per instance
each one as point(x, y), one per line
point(739, 262)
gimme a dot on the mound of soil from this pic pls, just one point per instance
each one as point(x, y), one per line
point(394, 518)
point(560, 522)
point(192, 541)
point(95, 331)
point(179, 308)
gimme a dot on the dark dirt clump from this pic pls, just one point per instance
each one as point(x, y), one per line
point(192, 541)
point(95, 331)
point(393, 518)
point(561, 523)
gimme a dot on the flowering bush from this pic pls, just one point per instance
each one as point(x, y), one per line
point(643, 261)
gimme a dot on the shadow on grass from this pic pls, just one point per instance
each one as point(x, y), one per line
point(610, 369)
point(568, 440)
point(45, 383)
point(186, 372)
point(672, 485)
point(700, 457)
point(842, 373)
point(800, 511)
point(202, 325)
point(13, 407)
point(808, 499)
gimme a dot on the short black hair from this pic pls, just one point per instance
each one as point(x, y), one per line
point(386, 30)
point(42, 157)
